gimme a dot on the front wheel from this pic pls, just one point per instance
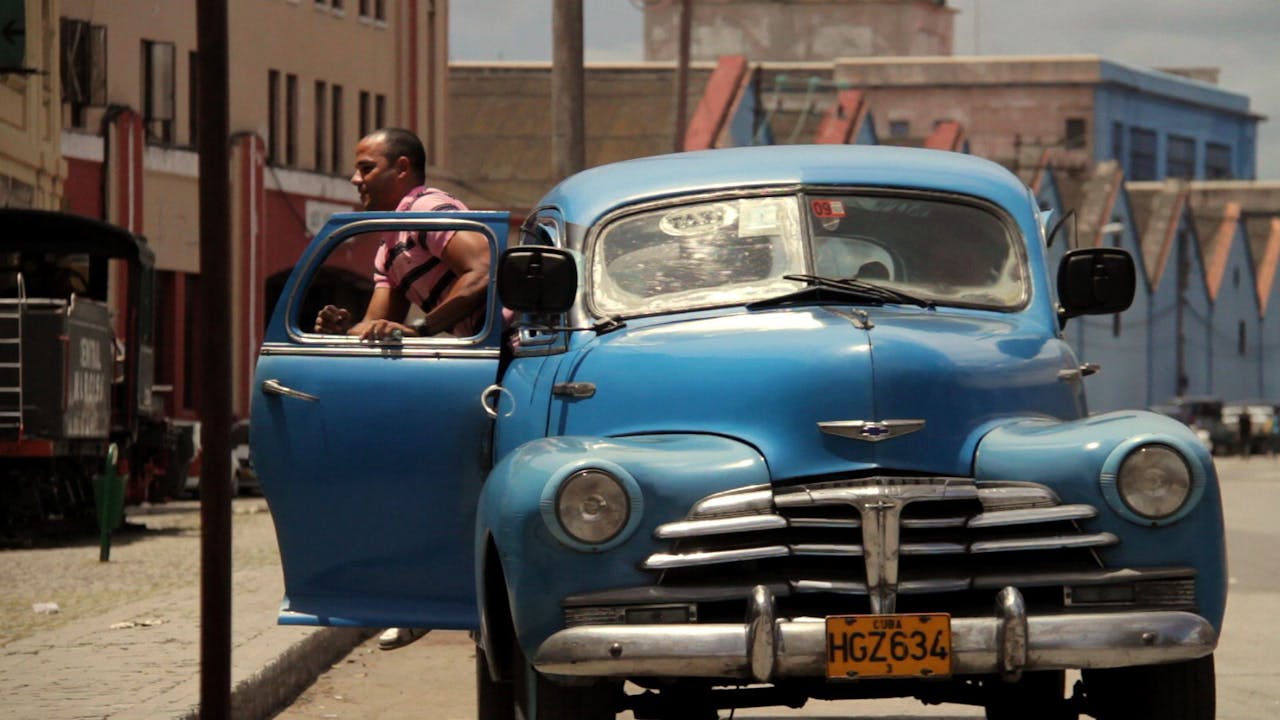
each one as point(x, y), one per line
point(493, 698)
point(1042, 690)
point(1177, 691)
point(538, 698)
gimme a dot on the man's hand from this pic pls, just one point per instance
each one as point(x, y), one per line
point(333, 320)
point(382, 331)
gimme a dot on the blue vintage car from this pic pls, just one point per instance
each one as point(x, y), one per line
point(771, 424)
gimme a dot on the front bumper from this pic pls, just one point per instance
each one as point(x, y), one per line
point(765, 648)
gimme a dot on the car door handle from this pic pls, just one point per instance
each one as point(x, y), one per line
point(274, 387)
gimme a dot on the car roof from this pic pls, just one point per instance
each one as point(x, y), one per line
point(583, 198)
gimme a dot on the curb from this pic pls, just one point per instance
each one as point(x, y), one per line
point(271, 689)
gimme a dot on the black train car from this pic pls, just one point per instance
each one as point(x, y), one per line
point(69, 384)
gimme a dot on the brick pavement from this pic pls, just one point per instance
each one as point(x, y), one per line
point(147, 666)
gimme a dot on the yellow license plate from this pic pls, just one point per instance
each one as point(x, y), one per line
point(881, 646)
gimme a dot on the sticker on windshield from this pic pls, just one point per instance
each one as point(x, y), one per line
point(698, 220)
point(827, 208)
point(760, 219)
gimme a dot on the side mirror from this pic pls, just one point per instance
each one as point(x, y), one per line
point(1095, 281)
point(536, 279)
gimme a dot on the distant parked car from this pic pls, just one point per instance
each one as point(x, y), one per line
point(1176, 412)
point(243, 478)
point(1203, 413)
point(1262, 435)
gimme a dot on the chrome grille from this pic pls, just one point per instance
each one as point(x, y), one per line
point(881, 538)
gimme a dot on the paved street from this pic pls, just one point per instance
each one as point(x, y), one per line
point(437, 672)
point(124, 644)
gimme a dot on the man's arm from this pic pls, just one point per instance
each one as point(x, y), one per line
point(467, 256)
point(385, 314)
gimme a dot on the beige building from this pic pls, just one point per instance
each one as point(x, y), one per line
point(31, 169)
point(307, 78)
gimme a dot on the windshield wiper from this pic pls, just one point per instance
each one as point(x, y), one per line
point(844, 289)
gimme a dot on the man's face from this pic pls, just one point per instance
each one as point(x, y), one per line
point(379, 179)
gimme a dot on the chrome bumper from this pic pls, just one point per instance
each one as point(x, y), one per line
point(765, 648)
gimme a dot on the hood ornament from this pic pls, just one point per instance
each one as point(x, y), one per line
point(870, 430)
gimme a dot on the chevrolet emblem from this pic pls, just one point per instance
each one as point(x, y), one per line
point(870, 430)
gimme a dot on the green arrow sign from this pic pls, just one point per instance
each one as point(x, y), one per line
point(13, 34)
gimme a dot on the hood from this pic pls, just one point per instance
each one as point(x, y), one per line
point(769, 377)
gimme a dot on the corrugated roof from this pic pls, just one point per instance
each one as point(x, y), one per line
point(1220, 229)
point(1157, 212)
point(1097, 199)
point(1269, 264)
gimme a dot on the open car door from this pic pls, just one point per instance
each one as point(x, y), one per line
point(371, 455)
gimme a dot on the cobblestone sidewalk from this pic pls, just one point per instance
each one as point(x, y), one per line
point(125, 642)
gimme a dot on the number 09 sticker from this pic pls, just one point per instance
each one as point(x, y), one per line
point(827, 208)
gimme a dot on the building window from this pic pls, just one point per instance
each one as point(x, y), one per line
point(1117, 142)
point(337, 150)
point(84, 67)
point(1180, 157)
point(322, 91)
point(365, 116)
point(1241, 339)
point(380, 111)
point(899, 128)
point(1142, 154)
point(1217, 162)
point(1074, 138)
point(291, 120)
point(273, 117)
point(193, 98)
point(380, 10)
point(158, 90)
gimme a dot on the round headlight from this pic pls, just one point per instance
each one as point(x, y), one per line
point(1154, 481)
point(592, 506)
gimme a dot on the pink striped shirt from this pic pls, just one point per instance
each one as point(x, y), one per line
point(412, 263)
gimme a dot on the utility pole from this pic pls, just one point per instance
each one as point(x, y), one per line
point(567, 125)
point(682, 73)
point(215, 404)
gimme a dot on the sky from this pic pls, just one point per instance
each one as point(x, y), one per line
point(1241, 37)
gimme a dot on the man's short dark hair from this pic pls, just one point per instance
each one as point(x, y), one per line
point(401, 142)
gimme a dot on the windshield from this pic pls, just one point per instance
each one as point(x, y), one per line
point(738, 251)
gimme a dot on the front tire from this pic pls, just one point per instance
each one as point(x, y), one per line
point(1177, 691)
point(538, 698)
point(1042, 690)
point(494, 699)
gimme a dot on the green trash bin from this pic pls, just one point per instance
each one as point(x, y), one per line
point(108, 492)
